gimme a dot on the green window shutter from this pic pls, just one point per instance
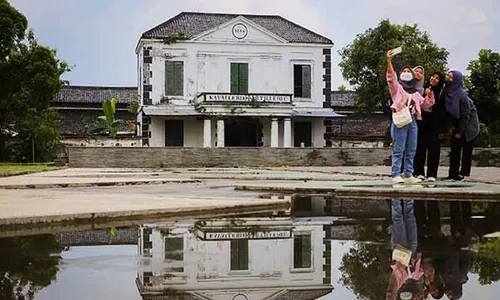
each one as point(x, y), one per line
point(174, 78)
point(169, 77)
point(179, 78)
point(243, 78)
point(306, 81)
point(234, 78)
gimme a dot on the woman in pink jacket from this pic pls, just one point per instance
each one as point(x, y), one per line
point(404, 139)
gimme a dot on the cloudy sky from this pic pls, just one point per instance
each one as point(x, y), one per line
point(98, 37)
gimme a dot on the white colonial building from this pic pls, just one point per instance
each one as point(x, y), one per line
point(235, 259)
point(224, 80)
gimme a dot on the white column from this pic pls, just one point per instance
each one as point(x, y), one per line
point(220, 133)
point(287, 132)
point(274, 132)
point(207, 133)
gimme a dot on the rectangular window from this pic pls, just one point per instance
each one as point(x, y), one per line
point(302, 251)
point(174, 252)
point(147, 245)
point(302, 81)
point(174, 78)
point(239, 78)
point(239, 255)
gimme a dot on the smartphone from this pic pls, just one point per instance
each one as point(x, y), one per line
point(397, 50)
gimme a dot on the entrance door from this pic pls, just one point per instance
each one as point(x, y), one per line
point(174, 133)
point(241, 132)
point(302, 133)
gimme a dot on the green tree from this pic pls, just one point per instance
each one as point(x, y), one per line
point(30, 77)
point(365, 270)
point(342, 88)
point(364, 60)
point(28, 264)
point(484, 85)
point(108, 123)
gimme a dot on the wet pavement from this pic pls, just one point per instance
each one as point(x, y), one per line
point(322, 247)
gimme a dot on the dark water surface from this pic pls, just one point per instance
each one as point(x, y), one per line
point(324, 248)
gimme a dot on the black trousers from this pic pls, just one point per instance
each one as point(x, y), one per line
point(460, 148)
point(427, 214)
point(428, 147)
point(460, 213)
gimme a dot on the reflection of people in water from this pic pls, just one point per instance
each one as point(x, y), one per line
point(446, 264)
point(404, 225)
point(428, 217)
point(405, 282)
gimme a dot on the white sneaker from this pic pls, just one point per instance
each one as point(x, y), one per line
point(421, 177)
point(412, 180)
point(431, 179)
point(397, 179)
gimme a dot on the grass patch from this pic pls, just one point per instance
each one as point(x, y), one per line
point(9, 169)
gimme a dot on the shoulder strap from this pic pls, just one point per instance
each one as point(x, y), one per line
point(409, 100)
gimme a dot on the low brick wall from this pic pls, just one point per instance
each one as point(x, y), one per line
point(150, 157)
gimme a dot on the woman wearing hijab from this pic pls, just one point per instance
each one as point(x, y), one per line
point(429, 129)
point(405, 138)
point(464, 125)
point(419, 77)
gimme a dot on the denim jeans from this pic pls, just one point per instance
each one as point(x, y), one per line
point(404, 225)
point(404, 145)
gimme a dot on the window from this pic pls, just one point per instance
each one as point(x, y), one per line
point(239, 78)
point(174, 252)
point(239, 255)
point(147, 245)
point(302, 81)
point(174, 78)
point(302, 251)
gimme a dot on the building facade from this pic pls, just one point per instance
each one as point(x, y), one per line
point(356, 130)
point(244, 258)
point(79, 107)
point(223, 80)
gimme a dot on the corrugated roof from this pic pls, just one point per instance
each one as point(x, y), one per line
point(194, 23)
point(94, 94)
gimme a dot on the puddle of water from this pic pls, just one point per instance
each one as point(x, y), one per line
point(325, 248)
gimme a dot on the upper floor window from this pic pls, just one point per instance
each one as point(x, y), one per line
point(302, 81)
point(174, 252)
point(174, 78)
point(302, 251)
point(239, 255)
point(239, 78)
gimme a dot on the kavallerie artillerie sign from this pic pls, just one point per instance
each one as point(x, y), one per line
point(274, 234)
point(249, 98)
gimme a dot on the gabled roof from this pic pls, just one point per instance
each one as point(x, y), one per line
point(76, 94)
point(195, 23)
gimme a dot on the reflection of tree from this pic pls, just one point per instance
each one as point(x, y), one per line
point(365, 270)
point(27, 265)
point(487, 264)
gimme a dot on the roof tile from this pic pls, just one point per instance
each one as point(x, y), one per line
point(194, 23)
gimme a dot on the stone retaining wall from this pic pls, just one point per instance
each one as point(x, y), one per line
point(151, 157)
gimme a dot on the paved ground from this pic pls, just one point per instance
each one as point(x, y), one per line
point(109, 194)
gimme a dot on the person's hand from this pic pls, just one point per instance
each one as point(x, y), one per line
point(389, 55)
point(428, 91)
point(458, 136)
point(451, 130)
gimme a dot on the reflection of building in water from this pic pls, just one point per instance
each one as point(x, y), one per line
point(248, 258)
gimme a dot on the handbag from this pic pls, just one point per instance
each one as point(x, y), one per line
point(403, 117)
